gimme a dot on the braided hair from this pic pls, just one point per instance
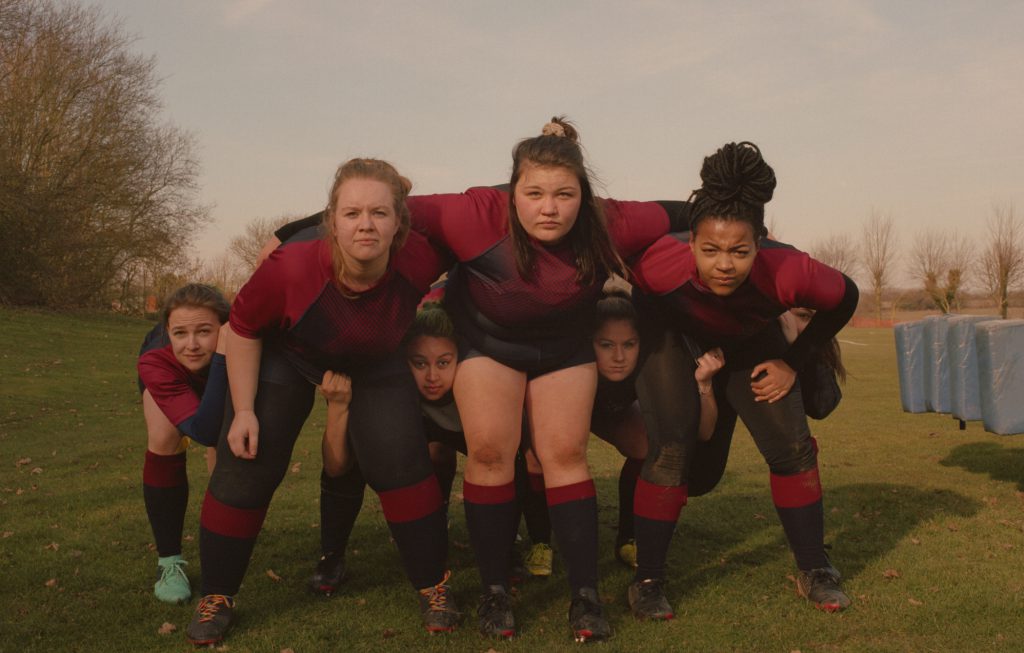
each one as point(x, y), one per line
point(736, 184)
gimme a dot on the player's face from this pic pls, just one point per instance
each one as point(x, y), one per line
point(433, 362)
point(724, 251)
point(365, 222)
point(617, 347)
point(547, 201)
point(193, 332)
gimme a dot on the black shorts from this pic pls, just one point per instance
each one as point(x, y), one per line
point(534, 359)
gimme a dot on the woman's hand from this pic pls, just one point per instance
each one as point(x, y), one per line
point(772, 380)
point(707, 366)
point(336, 388)
point(243, 436)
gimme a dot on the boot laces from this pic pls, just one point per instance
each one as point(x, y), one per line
point(211, 605)
point(437, 596)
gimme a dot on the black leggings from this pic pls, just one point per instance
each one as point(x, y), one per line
point(385, 429)
point(670, 405)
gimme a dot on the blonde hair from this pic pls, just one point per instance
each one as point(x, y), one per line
point(376, 170)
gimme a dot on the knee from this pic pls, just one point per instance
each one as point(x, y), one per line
point(666, 465)
point(489, 457)
point(244, 484)
point(792, 457)
point(566, 455)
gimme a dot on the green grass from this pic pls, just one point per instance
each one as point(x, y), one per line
point(926, 523)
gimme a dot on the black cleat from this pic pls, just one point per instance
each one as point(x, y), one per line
point(212, 618)
point(647, 600)
point(437, 607)
point(821, 587)
point(495, 613)
point(586, 617)
point(329, 573)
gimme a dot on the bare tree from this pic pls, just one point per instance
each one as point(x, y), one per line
point(92, 183)
point(878, 253)
point(940, 261)
point(837, 251)
point(1002, 258)
point(246, 248)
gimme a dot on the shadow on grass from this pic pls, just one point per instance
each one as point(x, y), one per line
point(999, 462)
point(734, 533)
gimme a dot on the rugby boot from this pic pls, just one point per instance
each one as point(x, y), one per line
point(495, 613)
point(172, 586)
point(586, 617)
point(329, 573)
point(212, 618)
point(821, 587)
point(647, 600)
point(437, 607)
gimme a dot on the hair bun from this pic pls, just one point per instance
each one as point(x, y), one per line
point(559, 127)
point(738, 173)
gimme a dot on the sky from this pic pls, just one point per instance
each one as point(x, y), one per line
point(912, 109)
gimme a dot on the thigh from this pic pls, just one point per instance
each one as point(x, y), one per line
point(558, 408)
point(624, 430)
point(670, 405)
point(490, 398)
point(779, 429)
point(386, 426)
point(162, 437)
point(282, 409)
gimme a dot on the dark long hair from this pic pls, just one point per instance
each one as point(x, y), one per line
point(558, 147)
point(736, 184)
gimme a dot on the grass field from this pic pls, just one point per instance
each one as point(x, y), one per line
point(926, 523)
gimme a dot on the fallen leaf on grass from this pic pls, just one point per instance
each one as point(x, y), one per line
point(890, 573)
point(189, 538)
point(51, 583)
point(23, 461)
point(36, 470)
point(296, 467)
point(287, 650)
point(52, 546)
point(6, 534)
point(388, 633)
point(166, 629)
point(272, 576)
point(914, 602)
point(360, 602)
point(759, 516)
point(952, 527)
point(914, 540)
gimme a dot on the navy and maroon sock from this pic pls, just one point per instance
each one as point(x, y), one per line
point(341, 499)
point(797, 499)
point(656, 509)
point(165, 493)
point(416, 517)
point(535, 510)
point(444, 470)
point(627, 490)
point(227, 536)
point(573, 511)
point(492, 515)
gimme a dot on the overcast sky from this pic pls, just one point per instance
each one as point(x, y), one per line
point(914, 109)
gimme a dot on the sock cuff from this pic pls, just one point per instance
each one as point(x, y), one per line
point(796, 490)
point(659, 502)
point(164, 471)
point(488, 494)
point(411, 502)
point(572, 492)
point(222, 519)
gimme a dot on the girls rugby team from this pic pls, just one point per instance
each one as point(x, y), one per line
point(525, 358)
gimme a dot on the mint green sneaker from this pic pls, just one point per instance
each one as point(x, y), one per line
point(173, 585)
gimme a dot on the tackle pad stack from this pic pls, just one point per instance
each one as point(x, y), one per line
point(969, 366)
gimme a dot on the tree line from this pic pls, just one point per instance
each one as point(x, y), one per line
point(99, 199)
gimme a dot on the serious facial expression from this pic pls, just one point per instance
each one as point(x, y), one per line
point(547, 200)
point(725, 252)
point(617, 347)
point(433, 362)
point(193, 332)
point(365, 222)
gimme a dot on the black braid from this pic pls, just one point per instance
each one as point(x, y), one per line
point(736, 184)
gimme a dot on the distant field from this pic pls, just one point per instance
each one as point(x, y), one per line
point(926, 523)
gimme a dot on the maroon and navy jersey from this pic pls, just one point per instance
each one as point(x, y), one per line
point(474, 227)
point(294, 298)
point(782, 277)
point(175, 389)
